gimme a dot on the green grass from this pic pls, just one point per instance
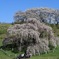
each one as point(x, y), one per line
point(55, 29)
point(3, 28)
point(11, 55)
point(50, 55)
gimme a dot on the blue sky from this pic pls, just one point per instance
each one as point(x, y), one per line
point(9, 7)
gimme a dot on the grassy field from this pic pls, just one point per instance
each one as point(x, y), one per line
point(11, 55)
point(55, 29)
point(50, 55)
point(8, 54)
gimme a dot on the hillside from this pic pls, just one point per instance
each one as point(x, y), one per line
point(50, 55)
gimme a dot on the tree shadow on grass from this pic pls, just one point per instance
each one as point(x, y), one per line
point(9, 47)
